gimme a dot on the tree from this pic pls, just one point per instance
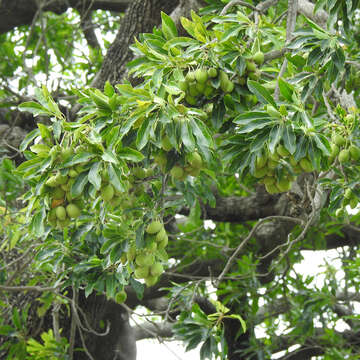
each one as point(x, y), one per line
point(182, 167)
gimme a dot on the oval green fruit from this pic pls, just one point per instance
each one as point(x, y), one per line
point(161, 235)
point(107, 192)
point(162, 244)
point(259, 58)
point(282, 151)
point(177, 172)
point(195, 160)
point(268, 180)
point(334, 150)
point(121, 297)
point(156, 269)
point(139, 172)
point(73, 211)
point(141, 272)
point(250, 66)
point(191, 100)
point(151, 280)
point(183, 85)
point(154, 227)
point(190, 76)
point(283, 185)
point(212, 72)
point(165, 143)
point(261, 161)
point(354, 152)
point(60, 213)
point(144, 259)
point(271, 188)
point(58, 193)
point(200, 87)
point(344, 156)
point(260, 173)
point(73, 173)
point(306, 165)
point(161, 159)
point(339, 140)
point(201, 75)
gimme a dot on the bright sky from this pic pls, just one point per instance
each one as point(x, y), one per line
point(312, 264)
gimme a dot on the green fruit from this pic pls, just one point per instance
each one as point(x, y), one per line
point(344, 156)
point(139, 172)
point(144, 259)
point(282, 151)
point(268, 180)
point(62, 179)
point(161, 159)
point(283, 185)
point(228, 87)
point(73, 173)
point(154, 227)
point(272, 164)
point(73, 211)
point(259, 58)
point(306, 165)
point(260, 173)
point(250, 66)
point(161, 235)
point(192, 171)
point(53, 181)
point(120, 297)
point(195, 160)
point(200, 87)
point(151, 280)
point(183, 85)
point(212, 72)
point(339, 140)
point(156, 269)
point(141, 272)
point(190, 76)
point(271, 188)
point(208, 91)
point(274, 156)
point(292, 161)
point(334, 150)
point(177, 172)
point(131, 254)
point(261, 162)
point(354, 152)
point(193, 91)
point(191, 100)
point(107, 192)
point(60, 213)
point(162, 244)
point(58, 193)
point(223, 77)
point(255, 75)
point(62, 224)
point(201, 75)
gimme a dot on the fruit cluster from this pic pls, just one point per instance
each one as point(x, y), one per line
point(193, 165)
point(146, 265)
point(198, 83)
point(63, 206)
point(343, 151)
point(276, 182)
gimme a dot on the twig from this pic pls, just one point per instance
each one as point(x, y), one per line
point(238, 2)
point(244, 242)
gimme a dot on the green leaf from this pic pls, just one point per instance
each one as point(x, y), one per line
point(28, 139)
point(187, 136)
point(138, 288)
point(115, 178)
point(130, 154)
point(261, 93)
point(37, 227)
point(109, 156)
point(143, 134)
point(77, 159)
point(34, 108)
point(275, 136)
point(168, 26)
point(78, 186)
point(286, 90)
point(188, 25)
point(322, 143)
point(289, 138)
point(94, 176)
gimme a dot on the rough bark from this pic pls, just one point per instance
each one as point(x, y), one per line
point(140, 17)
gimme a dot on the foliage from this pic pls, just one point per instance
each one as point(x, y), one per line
point(212, 110)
